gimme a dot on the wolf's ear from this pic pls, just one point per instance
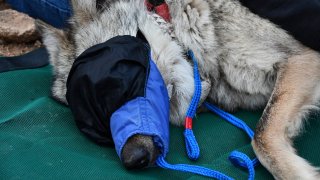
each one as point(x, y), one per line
point(41, 26)
point(83, 11)
point(82, 6)
point(52, 38)
point(60, 47)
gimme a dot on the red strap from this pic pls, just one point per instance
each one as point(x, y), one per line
point(188, 123)
point(163, 11)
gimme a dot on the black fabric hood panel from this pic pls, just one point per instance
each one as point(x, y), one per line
point(102, 79)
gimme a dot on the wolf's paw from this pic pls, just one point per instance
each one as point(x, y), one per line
point(195, 15)
point(194, 29)
point(206, 87)
point(179, 104)
point(182, 94)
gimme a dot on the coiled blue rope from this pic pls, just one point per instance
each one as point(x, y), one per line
point(237, 158)
point(192, 146)
point(193, 150)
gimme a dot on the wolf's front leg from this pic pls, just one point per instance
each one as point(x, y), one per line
point(178, 76)
point(176, 71)
point(297, 90)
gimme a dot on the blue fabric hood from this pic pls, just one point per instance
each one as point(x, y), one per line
point(148, 115)
point(115, 90)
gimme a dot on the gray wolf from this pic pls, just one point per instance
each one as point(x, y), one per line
point(245, 62)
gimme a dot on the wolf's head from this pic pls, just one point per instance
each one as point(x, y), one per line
point(94, 22)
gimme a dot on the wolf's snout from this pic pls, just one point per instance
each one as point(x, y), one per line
point(138, 158)
point(139, 152)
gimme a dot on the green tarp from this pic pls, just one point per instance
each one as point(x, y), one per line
point(39, 139)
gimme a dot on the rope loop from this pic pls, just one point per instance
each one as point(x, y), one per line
point(192, 146)
point(240, 159)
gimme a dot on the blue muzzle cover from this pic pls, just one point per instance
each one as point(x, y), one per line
point(147, 115)
point(115, 91)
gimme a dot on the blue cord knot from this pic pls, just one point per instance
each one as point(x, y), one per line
point(240, 159)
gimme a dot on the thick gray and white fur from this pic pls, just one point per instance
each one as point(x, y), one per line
point(245, 62)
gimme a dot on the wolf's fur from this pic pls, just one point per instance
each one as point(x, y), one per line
point(245, 62)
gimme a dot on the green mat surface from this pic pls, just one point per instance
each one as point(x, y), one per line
point(39, 139)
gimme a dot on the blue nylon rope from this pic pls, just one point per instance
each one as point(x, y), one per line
point(240, 159)
point(230, 118)
point(193, 169)
point(192, 146)
point(197, 87)
point(237, 158)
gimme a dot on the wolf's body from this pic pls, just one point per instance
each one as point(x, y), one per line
point(245, 62)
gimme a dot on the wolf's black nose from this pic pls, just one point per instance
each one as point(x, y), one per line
point(138, 158)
